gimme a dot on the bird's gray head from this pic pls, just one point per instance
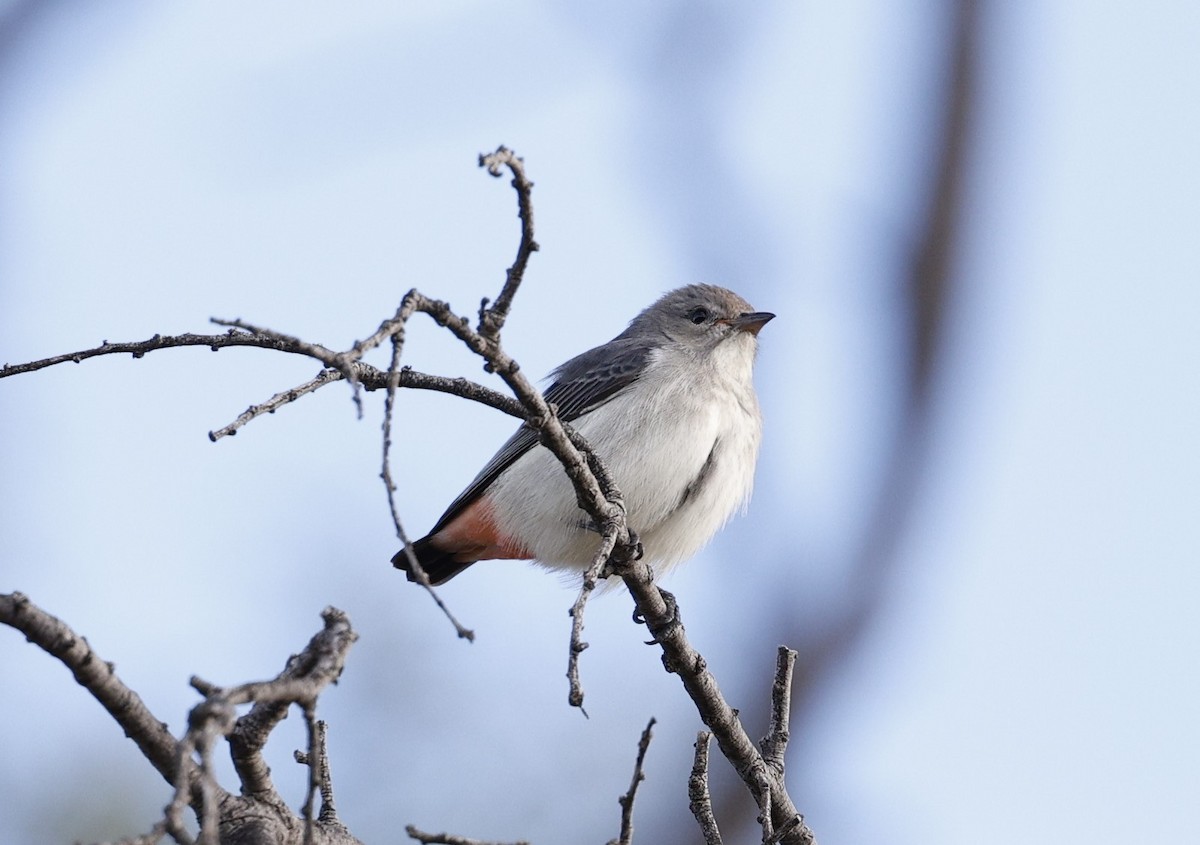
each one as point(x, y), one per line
point(699, 317)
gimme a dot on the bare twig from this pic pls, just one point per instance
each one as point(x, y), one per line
point(699, 799)
point(599, 569)
point(152, 837)
point(300, 347)
point(774, 744)
point(314, 758)
point(319, 780)
point(339, 366)
point(450, 839)
point(348, 366)
point(275, 403)
point(371, 378)
point(389, 404)
point(139, 348)
point(317, 759)
point(626, 800)
point(491, 320)
point(343, 362)
point(591, 578)
point(680, 657)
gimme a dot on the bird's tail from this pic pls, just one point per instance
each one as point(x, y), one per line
point(439, 565)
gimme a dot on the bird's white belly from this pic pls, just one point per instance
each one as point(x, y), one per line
point(684, 460)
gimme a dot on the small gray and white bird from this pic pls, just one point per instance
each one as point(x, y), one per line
point(668, 404)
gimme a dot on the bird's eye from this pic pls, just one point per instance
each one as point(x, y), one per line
point(698, 315)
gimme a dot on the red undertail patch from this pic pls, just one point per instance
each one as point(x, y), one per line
point(472, 536)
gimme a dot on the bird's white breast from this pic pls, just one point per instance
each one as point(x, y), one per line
point(686, 423)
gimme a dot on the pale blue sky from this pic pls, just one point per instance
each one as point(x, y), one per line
point(1033, 668)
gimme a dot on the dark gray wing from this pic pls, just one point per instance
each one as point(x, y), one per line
point(580, 386)
point(589, 380)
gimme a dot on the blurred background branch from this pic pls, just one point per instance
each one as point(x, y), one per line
point(928, 295)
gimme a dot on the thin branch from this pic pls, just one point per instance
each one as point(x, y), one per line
point(626, 800)
point(591, 578)
point(275, 403)
point(301, 347)
point(343, 362)
point(139, 348)
point(371, 378)
point(347, 365)
point(599, 568)
point(450, 839)
point(389, 404)
point(774, 744)
point(317, 759)
point(699, 799)
point(491, 320)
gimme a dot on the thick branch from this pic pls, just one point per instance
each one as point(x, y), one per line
point(97, 676)
point(302, 680)
point(259, 807)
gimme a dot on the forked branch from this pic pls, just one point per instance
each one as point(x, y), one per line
point(187, 763)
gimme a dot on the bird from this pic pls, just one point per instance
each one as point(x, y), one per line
point(668, 404)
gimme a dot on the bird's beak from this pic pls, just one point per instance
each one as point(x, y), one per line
point(752, 322)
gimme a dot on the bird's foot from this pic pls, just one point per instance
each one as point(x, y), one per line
point(659, 628)
point(635, 546)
